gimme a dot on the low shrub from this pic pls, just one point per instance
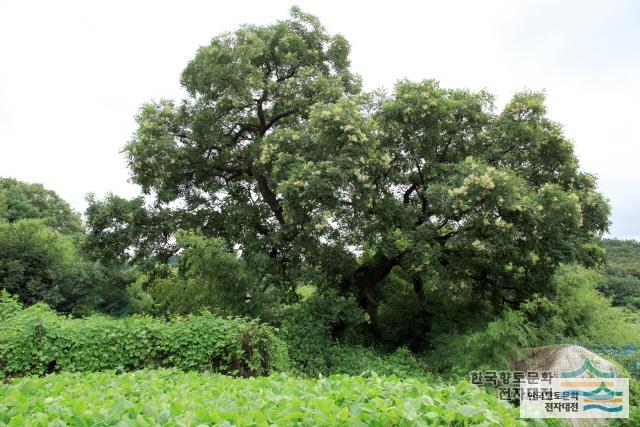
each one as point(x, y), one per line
point(311, 330)
point(322, 337)
point(359, 360)
point(39, 341)
point(488, 347)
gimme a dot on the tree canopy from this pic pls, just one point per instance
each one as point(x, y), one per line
point(42, 256)
point(21, 200)
point(278, 153)
point(39, 264)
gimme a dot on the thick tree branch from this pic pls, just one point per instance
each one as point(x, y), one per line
point(278, 117)
point(261, 118)
point(407, 194)
point(287, 76)
point(369, 274)
point(268, 196)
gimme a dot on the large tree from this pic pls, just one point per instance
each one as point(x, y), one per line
point(277, 152)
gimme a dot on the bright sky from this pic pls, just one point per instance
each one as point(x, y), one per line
point(73, 74)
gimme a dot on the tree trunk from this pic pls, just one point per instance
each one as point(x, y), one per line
point(422, 299)
point(362, 282)
point(367, 276)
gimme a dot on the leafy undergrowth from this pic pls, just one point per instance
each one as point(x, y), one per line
point(174, 398)
point(37, 340)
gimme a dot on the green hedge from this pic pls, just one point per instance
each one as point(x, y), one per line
point(36, 340)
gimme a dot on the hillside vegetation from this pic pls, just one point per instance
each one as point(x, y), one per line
point(622, 273)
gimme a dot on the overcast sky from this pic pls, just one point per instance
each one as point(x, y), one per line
point(73, 74)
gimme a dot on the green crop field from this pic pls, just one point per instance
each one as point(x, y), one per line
point(175, 398)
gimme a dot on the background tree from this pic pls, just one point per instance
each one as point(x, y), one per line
point(42, 258)
point(278, 153)
point(621, 280)
point(117, 224)
point(4, 208)
point(32, 201)
point(206, 275)
point(40, 264)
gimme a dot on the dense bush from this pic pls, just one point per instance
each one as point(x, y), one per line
point(573, 312)
point(206, 275)
point(488, 347)
point(360, 360)
point(398, 304)
point(40, 264)
point(623, 290)
point(309, 329)
point(323, 337)
point(36, 340)
point(622, 257)
point(9, 305)
point(167, 397)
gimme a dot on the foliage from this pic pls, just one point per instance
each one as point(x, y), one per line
point(623, 290)
point(139, 301)
point(623, 257)
point(42, 257)
point(585, 315)
point(278, 153)
point(621, 282)
point(360, 360)
point(168, 397)
point(309, 329)
point(324, 335)
point(115, 223)
point(401, 318)
point(40, 264)
point(107, 293)
point(488, 347)
point(9, 305)
point(208, 275)
point(20, 200)
point(574, 311)
point(38, 341)
point(4, 208)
